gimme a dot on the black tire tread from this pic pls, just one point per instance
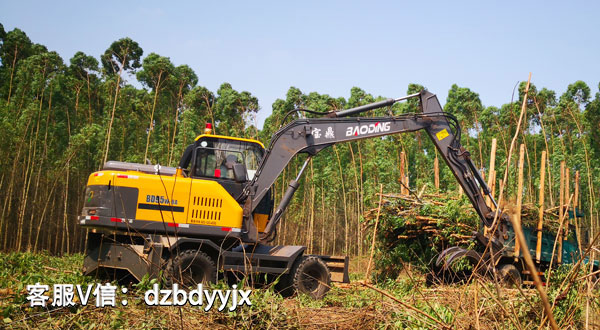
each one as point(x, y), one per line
point(295, 275)
point(504, 272)
point(197, 255)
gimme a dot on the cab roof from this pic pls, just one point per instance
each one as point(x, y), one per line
point(229, 138)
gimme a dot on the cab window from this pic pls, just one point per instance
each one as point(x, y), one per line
point(215, 157)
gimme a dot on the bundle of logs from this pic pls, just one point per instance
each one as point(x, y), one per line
point(441, 219)
point(415, 228)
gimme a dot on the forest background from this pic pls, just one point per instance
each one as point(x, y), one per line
point(61, 120)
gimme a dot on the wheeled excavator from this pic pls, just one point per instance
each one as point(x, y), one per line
point(214, 214)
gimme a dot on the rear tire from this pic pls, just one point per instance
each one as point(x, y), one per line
point(510, 276)
point(190, 268)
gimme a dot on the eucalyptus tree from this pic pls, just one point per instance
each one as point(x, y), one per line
point(568, 114)
point(544, 100)
point(185, 79)
point(592, 116)
point(123, 55)
point(83, 69)
point(579, 92)
point(16, 46)
point(232, 110)
point(156, 72)
point(37, 80)
point(197, 109)
point(573, 104)
point(466, 106)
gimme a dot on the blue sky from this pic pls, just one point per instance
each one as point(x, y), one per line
point(265, 47)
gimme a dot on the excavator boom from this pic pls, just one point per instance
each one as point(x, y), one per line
point(311, 135)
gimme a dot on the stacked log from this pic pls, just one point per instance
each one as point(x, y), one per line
point(415, 229)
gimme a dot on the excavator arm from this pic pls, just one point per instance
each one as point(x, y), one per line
point(311, 135)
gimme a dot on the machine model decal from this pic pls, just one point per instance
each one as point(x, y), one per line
point(368, 129)
point(159, 199)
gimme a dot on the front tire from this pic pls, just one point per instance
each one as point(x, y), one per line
point(190, 268)
point(311, 277)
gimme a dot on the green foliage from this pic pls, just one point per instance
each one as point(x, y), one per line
point(122, 55)
point(156, 71)
point(569, 301)
point(566, 297)
point(233, 110)
point(592, 116)
point(147, 283)
point(82, 65)
point(405, 238)
point(21, 269)
point(464, 104)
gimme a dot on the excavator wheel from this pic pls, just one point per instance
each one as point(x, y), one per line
point(190, 268)
point(309, 275)
point(312, 277)
point(457, 264)
point(509, 276)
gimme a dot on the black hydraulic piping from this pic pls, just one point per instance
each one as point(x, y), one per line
point(285, 200)
point(294, 184)
point(367, 107)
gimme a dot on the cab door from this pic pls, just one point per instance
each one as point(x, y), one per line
point(211, 200)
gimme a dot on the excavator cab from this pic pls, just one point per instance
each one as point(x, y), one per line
point(229, 161)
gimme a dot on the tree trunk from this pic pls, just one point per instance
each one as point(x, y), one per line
point(156, 88)
point(65, 215)
point(112, 115)
point(9, 196)
point(40, 165)
point(89, 98)
point(179, 102)
point(27, 179)
point(344, 199)
point(323, 217)
point(12, 73)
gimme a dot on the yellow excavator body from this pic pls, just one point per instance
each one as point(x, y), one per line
point(147, 198)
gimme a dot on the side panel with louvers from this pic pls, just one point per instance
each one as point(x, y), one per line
point(211, 205)
point(206, 210)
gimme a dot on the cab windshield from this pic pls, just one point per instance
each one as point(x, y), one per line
point(215, 157)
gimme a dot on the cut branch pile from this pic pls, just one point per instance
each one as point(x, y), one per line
point(414, 230)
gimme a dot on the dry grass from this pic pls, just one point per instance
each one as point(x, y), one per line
point(405, 302)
